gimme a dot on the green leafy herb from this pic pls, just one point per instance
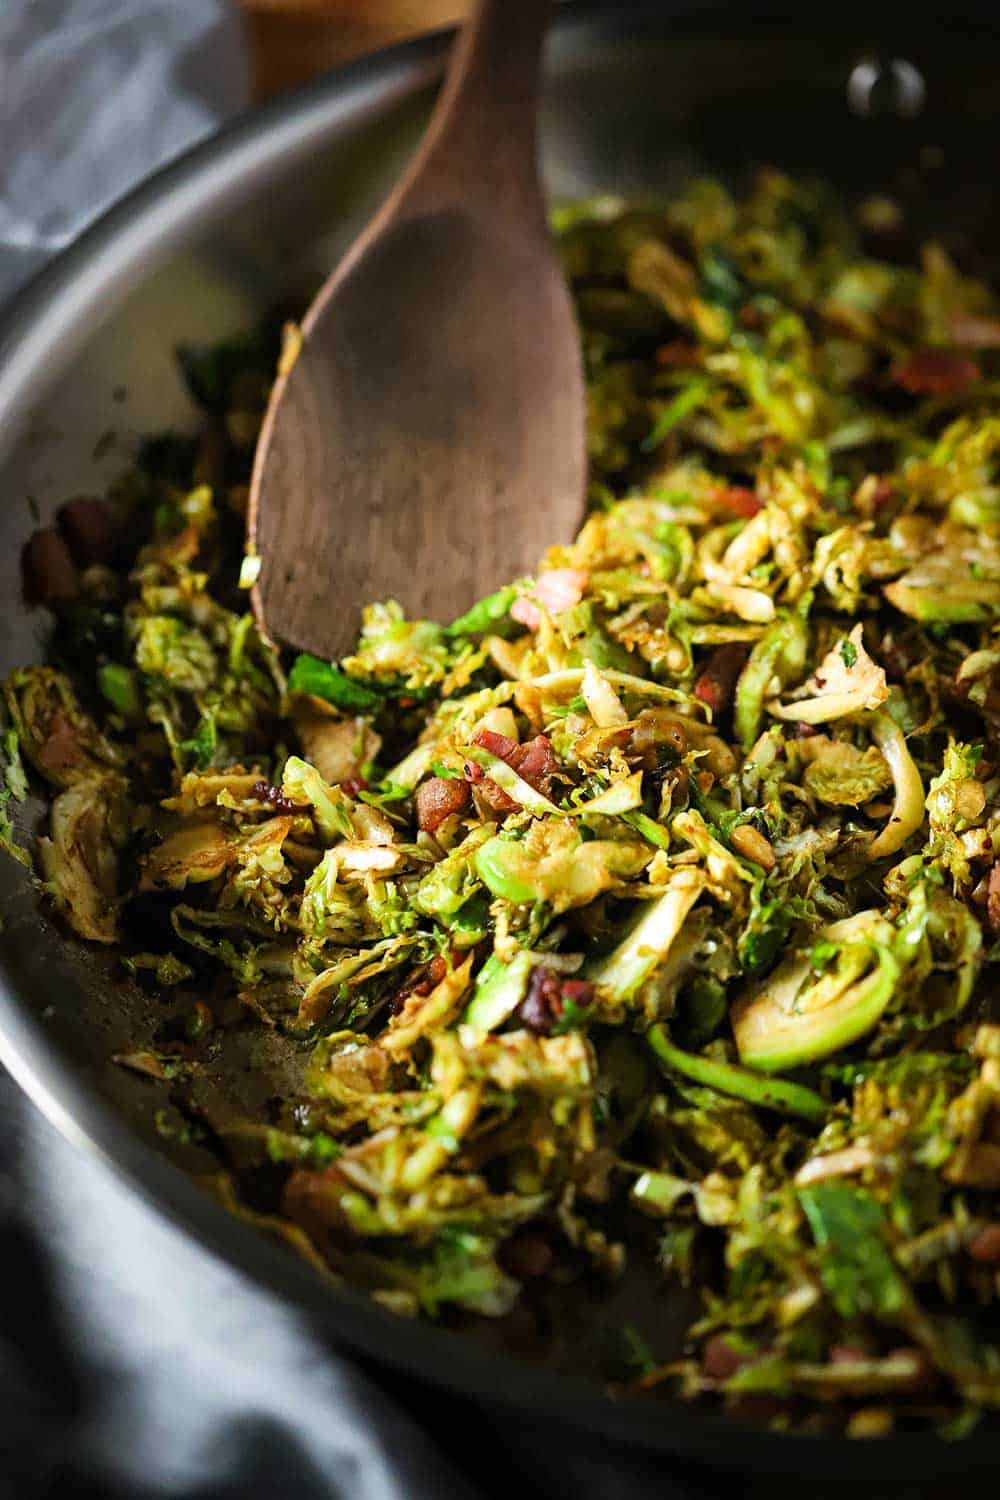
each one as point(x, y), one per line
point(486, 614)
point(574, 1017)
point(823, 955)
point(652, 831)
point(321, 679)
point(767, 929)
point(858, 1271)
point(120, 686)
point(317, 1150)
point(386, 791)
point(446, 773)
point(203, 744)
point(683, 404)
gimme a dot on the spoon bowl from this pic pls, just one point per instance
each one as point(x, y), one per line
point(428, 440)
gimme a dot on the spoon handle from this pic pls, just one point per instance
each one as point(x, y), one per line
point(481, 143)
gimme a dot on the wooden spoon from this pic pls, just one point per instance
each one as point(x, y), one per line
point(428, 441)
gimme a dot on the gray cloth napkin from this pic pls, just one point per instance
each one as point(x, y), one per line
point(184, 1379)
point(94, 95)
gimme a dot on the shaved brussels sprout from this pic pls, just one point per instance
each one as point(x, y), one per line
point(500, 988)
point(627, 967)
point(797, 1015)
point(553, 864)
point(769, 1093)
point(840, 775)
point(80, 858)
